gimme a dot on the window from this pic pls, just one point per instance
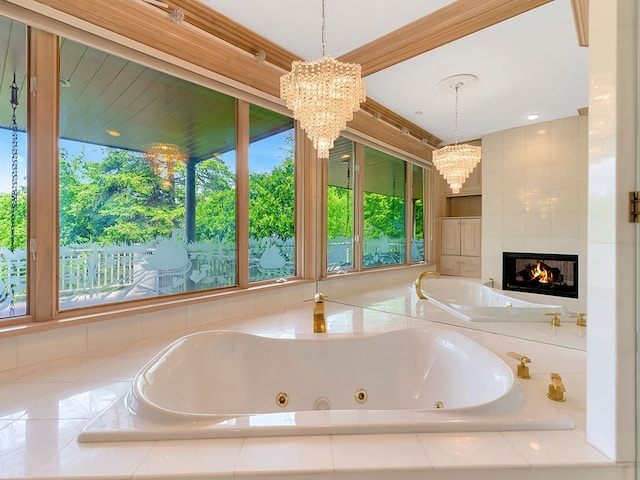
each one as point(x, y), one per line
point(383, 209)
point(13, 171)
point(417, 214)
point(147, 182)
point(271, 195)
point(340, 206)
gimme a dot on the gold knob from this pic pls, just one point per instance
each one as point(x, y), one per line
point(581, 321)
point(523, 370)
point(555, 321)
point(556, 388)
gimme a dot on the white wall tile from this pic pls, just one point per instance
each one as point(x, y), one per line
point(565, 128)
point(205, 313)
point(164, 321)
point(114, 332)
point(8, 353)
point(51, 344)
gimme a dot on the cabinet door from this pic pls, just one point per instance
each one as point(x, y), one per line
point(470, 267)
point(470, 236)
point(450, 265)
point(450, 236)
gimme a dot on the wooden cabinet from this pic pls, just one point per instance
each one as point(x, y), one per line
point(460, 246)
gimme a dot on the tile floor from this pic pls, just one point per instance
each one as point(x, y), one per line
point(44, 406)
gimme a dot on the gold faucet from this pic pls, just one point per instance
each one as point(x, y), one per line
point(419, 281)
point(319, 323)
point(581, 321)
point(556, 388)
point(555, 321)
point(523, 370)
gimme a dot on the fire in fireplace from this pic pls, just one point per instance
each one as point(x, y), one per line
point(545, 273)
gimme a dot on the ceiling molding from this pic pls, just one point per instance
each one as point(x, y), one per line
point(583, 112)
point(450, 23)
point(581, 18)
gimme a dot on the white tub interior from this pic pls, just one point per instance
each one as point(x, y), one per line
point(471, 300)
point(223, 384)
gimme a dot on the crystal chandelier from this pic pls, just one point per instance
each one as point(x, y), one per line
point(455, 162)
point(323, 95)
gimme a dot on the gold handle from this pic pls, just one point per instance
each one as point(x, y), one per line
point(581, 321)
point(523, 370)
point(555, 321)
point(556, 388)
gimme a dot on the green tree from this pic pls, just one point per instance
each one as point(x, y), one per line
point(272, 202)
point(117, 200)
point(339, 212)
point(20, 226)
point(383, 215)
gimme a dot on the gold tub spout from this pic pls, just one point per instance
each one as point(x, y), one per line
point(556, 388)
point(319, 323)
point(419, 281)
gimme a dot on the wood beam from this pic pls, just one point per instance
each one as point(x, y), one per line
point(450, 23)
point(581, 18)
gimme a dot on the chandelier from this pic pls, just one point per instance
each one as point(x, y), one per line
point(323, 95)
point(455, 162)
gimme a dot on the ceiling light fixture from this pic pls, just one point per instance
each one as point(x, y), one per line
point(323, 95)
point(533, 116)
point(455, 162)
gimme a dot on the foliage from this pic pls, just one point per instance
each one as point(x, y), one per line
point(272, 202)
point(339, 212)
point(383, 215)
point(20, 232)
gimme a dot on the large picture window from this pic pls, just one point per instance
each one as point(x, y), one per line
point(13, 169)
point(384, 209)
point(340, 206)
point(147, 182)
point(271, 195)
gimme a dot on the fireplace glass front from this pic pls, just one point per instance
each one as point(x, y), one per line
point(544, 273)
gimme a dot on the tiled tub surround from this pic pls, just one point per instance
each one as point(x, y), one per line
point(45, 405)
point(223, 384)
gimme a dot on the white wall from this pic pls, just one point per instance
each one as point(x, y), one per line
point(534, 196)
point(612, 245)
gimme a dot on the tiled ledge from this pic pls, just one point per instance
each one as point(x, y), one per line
point(45, 405)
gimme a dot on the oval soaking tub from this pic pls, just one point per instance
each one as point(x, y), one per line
point(473, 301)
point(222, 384)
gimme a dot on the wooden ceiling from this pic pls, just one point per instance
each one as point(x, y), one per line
point(102, 93)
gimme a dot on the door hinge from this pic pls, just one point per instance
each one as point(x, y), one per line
point(634, 207)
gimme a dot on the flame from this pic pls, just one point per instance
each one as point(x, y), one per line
point(541, 273)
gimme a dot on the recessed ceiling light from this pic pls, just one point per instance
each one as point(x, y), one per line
point(533, 116)
point(113, 133)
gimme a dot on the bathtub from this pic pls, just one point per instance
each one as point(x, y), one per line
point(473, 301)
point(225, 384)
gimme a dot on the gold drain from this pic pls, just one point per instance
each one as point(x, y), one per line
point(361, 395)
point(438, 405)
point(282, 399)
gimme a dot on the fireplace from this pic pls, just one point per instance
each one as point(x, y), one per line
point(544, 273)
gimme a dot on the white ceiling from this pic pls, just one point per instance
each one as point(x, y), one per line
point(529, 64)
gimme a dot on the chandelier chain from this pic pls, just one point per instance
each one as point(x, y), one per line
point(324, 26)
point(14, 162)
point(455, 127)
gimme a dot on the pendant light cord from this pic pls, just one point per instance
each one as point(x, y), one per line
point(324, 27)
point(455, 128)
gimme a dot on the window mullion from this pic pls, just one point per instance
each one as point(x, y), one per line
point(42, 182)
